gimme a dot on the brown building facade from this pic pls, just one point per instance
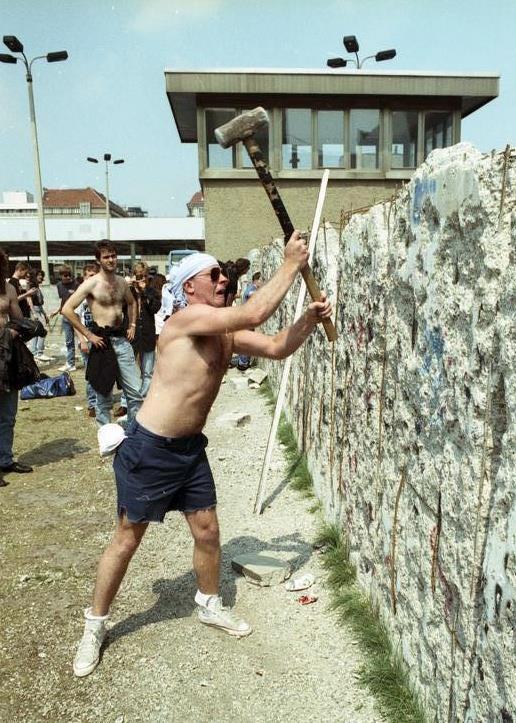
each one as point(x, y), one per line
point(370, 128)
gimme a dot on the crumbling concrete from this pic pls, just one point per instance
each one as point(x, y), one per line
point(408, 421)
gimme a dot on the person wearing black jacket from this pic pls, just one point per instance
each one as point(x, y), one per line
point(144, 342)
point(9, 311)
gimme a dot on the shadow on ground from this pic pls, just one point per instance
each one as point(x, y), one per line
point(176, 596)
point(54, 451)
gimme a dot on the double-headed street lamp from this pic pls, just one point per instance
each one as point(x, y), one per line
point(15, 46)
point(107, 159)
point(351, 44)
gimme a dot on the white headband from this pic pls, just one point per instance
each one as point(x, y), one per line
point(188, 267)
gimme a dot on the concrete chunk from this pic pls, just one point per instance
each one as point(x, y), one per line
point(233, 419)
point(262, 570)
point(257, 375)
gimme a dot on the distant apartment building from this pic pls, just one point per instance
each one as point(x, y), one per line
point(65, 202)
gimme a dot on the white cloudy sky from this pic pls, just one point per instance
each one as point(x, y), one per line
point(110, 95)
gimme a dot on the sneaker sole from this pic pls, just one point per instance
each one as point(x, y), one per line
point(83, 672)
point(229, 631)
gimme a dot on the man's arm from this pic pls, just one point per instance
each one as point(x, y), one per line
point(14, 308)
point(132, 310)
point(286, 341)
point(73, 301)
point(204, 320)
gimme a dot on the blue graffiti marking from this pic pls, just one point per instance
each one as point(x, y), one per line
point(422, 189)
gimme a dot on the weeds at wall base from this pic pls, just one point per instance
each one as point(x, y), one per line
point(383, 673)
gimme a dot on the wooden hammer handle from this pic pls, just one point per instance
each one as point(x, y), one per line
point(265, 177)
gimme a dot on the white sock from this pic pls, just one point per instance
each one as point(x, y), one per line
point(99, 618)
point(204, 600)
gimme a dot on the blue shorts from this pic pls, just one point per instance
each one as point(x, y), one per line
point(156, 474)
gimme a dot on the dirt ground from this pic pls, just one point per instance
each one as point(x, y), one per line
point(160, 663)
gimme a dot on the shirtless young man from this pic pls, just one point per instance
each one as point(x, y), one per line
point(9, 309)
point(106, 293)
point(162, 465)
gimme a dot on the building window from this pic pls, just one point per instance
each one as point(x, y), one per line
point(404, 139)
point(84, 208)
point(365, 138)
point(438, 130)
point(261, 136)
point(218, 157)
point(330, 139)
point(296, 141)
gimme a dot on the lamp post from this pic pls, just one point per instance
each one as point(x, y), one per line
point(107, 159)
point(15, 46)
point(351, 44)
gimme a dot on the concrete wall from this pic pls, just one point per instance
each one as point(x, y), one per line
point(408, 421)
point(239, 216)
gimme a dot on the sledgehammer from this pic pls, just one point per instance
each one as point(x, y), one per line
point(242, 128)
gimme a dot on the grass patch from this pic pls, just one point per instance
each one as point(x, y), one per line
point(383, 673)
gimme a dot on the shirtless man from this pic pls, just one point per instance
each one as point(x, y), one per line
point(162, 465)
point(9, 309)
point(111, 356)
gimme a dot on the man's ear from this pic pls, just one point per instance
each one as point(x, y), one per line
point(188, 287)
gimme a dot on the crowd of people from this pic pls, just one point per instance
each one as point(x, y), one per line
point(136, 307)
point(160, 462)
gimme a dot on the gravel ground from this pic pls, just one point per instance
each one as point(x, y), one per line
point(160, 663)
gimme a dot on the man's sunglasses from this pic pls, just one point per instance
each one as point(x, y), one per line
point(214, 274)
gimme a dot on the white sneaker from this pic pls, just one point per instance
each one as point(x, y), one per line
point(67, 368)
point(45, 358)
point(220, 617)
point(88, 653)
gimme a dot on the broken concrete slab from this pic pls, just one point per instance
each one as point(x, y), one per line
point(257, 375)
point(239, 382)
point(233, 419)
point(262, 570)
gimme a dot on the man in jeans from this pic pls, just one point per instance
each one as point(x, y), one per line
point(9, 309)
point(111, 355)
point(86, 318)
point(65, 288)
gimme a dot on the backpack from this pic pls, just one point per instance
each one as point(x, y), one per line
point(60, 386)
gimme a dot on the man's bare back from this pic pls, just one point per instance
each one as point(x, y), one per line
point(9, 308)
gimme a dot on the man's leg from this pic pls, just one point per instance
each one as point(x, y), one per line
point(8, 409)
point(113, 563)
point(110, 573)
point(129, 374)
point(103, 408)
point(204, 527)
point(70, 342)
point(147, 361)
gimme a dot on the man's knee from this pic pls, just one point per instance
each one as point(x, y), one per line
point(206, 532)
point(127, 538)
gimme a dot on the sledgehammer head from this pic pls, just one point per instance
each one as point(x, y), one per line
point(241, 127)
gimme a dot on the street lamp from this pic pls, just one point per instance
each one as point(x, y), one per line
point(351, 44)
point(15, 46)
point(107, 159)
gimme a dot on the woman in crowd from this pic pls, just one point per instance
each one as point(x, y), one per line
point(37, 312)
